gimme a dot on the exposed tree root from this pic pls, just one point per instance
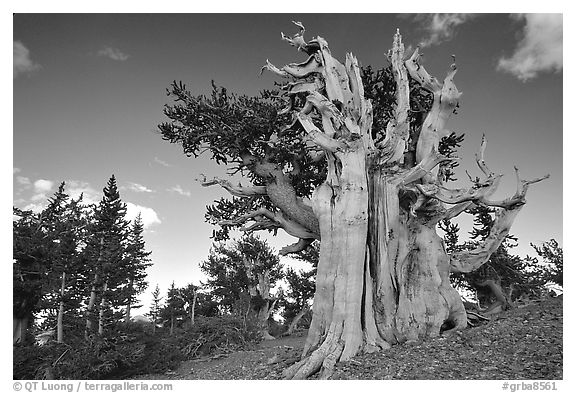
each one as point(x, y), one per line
point(322, 359)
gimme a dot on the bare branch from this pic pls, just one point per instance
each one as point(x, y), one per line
point(480, 158)
point(445, 100)
point(265, 219)
point(239, 190)
point(467, 261)
point(296, 70)
point(398, 130)
point(317, 136)
point(420, 74)
point(519, 197)
point(423, 168)
point(301, 245)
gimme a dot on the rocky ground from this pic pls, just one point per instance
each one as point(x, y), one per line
point(524, 342)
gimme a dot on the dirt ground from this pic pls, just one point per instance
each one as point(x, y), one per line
point(524, 342)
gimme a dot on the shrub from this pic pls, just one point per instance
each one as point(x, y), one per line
point(132, 350)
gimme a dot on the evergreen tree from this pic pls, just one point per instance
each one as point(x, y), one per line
point(553, 259)
point(155, 308)
point(106, 252)
point(173, 311)
point(29, 268)
point(301, 285)
point(137, 259)
point(241, 277)
point(46, 264)
point(69, 227)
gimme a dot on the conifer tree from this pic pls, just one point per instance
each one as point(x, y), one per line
point(155, 308)
point(137, 259)
point(106, 251)
point(242, 276)
point(174, 307)
point(46, 264)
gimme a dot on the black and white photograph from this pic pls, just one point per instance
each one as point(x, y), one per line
point(258, 195)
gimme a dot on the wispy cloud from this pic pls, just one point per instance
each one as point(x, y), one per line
point(163, 163)
point(179, 190)
point(113, 53)
point(23, 180)
point(23, 63)
point(539, 49)
point(149, 215)
point(75, 188)
point(138, 187)
point(440, 27)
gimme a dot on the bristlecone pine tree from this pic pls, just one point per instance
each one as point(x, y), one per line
point(371, 191)
point(248, 269)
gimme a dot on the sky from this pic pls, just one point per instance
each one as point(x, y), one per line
point(89, 89)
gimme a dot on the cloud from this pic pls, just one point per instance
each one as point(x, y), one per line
point(539, 49)
point(23, 180)
point(23, 64)
point(16, 170)
point(43, 186)
point(441, 27)
point(113, 53)
point(149, 215)
point(138, 187)
point(163, 163)
point(179, 190)
point(35, 207)
point(75, 188)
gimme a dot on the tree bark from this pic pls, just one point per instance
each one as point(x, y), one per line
point(19, 329)
point(193, 308)
point(129, 302)
point(102, 309)
point(94, 292)
point(60, 319)
point(294, 323)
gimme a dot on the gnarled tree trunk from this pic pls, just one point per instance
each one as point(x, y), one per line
point(383, 271)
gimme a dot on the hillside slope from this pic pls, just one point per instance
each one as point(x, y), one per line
point(522, 343)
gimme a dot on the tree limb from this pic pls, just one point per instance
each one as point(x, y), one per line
point(319, 137)
point(301, 245)
point(265, 219)
point(470, 260)
point(423, 168)
point(238, 191)
point(445, 101)
point(398, 129)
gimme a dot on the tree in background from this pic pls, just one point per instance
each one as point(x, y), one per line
point(106, 252)
point(242, 276)
point(31, 263)
point(137, 260)
point(174, 307)
point(46, 262)
point(69, 222)
point(553, 258)
point(373, 192)
point(155, 308)
point(70, 252)
point(505, 277)
point(297, 302)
